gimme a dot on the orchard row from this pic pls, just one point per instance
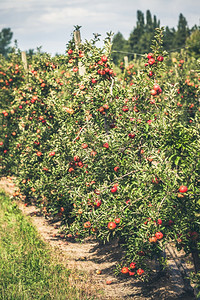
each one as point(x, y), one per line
point(112, 153)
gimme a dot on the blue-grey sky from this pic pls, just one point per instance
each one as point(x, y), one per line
point(49, 23)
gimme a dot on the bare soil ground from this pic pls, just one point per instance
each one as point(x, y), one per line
point(84, 259)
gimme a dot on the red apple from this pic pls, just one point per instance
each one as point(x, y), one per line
point(117, 220)
point(159, 235)
point(140, 271)
point(106, 145)
point(132, 265)
point(70, 51)
point(150, 55)
point(111, 225)
point(104, 58)
point(97, 203)
point(125, 108)
point(151, 61)
point(124, 270)
point(116, 169)
point(131, 135)
point(113, 189)
point(160, 58)
point(131, 273)
point(183, 189)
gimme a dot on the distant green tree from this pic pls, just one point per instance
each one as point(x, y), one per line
point(193, 44)
point(137, 32)
point(156, 24)
point(119, 45)
point(142, 35)
point(182, 32)
point(169, 38)
point(146, 38)
point(5, 40)
point(149, 22)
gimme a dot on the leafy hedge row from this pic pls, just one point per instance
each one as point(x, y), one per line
point(115, 156)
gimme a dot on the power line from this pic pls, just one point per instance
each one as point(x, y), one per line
point(140, 54)
point(127, 52)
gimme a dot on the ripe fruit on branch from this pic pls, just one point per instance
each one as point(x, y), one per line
point(160, 58)
point(132, 265)
point(159, 222)
point(131, 135)
point(111, 225)
point(116, 169)
point(183, 189)
point(117, 220)
point(153, 92)
point(106, 145)
point(156, 87)
point(70, 51)
point(84, 146)
point(94, 80)
point(106, 106)
point(159, 235)
point(87, 224)
point(131, 273)
point(75, 69)
point(140, 271)
point(104, 58)
point(125, 108)
point(180, 195)
point(76, 158)
point(113, 189)
point(111, 72)
point(151, 61)
point(124, 270)
point(97, 203)
point(153, 239)
point(52, 153)
point(93, 153)
point(150, 55)
point(151, 73)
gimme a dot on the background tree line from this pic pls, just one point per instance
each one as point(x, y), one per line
point(6, 36)
point(142, 34)
point(139, 40)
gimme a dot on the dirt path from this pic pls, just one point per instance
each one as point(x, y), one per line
point(88, 257)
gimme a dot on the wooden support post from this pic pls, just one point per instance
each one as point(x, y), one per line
point(24, 60)
point(126, 61)
point(77, 38)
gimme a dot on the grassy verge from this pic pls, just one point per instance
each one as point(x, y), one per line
point(28, 270)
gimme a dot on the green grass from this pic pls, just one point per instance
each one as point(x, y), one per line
point(28, 270)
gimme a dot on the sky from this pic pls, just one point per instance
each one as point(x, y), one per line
point(49, 24)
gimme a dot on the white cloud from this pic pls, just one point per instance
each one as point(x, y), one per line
point(50, 21)
point(65, 15)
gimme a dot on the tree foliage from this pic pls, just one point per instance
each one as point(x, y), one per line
point(142, 34)
point(193, 44)
point(5, 39)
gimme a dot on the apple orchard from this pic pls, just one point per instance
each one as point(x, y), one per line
point(112, 152)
